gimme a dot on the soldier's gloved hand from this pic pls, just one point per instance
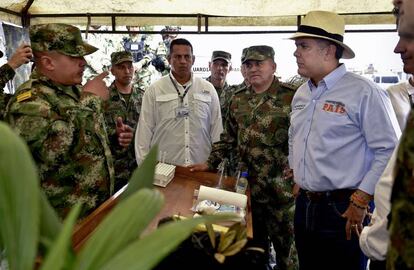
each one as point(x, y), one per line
point(21, 56)
point(124, 132)
point(97, 86)
point(200, 167)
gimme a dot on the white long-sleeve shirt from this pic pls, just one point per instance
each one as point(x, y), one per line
point(374, 238)
point(181, 140)
point(399, 95)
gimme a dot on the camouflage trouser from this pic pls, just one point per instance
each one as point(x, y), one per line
point(273, 219)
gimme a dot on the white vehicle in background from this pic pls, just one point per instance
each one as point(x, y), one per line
point(385, 80)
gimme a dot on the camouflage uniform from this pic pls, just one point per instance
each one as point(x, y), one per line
point(100, 60)
point(143, 75)
point(129, 110)
point(401, 248)
point(6, 74)
point(64, 128)
point(258, 127)
point(223, 95)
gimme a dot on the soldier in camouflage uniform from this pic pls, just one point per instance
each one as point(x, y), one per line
point(401, 246)
point(143, 74)
point(62, 123)
point(124, 102)
point(22, 55)
point(100, 61)
point(400, 250)
point(258, 128)
point(220, 66)
point(235, 88)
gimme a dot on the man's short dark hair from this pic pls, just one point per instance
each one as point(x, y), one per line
point(339, 49)
point(180, 41)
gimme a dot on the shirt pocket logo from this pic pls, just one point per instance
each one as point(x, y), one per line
point(334, 107)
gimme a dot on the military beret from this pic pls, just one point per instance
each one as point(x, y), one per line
point(221, 55)
point(259, 53)
point(119, 57)
point(63, 38)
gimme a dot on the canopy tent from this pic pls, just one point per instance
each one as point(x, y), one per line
point(200, 13)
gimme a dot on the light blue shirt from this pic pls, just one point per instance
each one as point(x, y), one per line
point(342, 133)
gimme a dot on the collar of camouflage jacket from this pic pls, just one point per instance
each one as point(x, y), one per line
point(71, 90)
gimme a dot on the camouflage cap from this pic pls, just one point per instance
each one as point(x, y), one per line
point(63, 38)
point(221, 55)
point(119, 57)
point(243, 55)
point(259, 53)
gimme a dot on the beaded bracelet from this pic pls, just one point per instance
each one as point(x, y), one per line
point(358, 206)
point(360, 200)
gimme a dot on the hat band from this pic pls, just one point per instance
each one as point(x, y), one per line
point(320, 32)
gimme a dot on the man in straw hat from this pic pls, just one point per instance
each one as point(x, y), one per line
point(257, 129)
point(343, 131)
point(63, 123)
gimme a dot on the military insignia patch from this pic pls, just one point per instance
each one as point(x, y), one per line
point(24, 96)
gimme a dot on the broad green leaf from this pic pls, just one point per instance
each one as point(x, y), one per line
point(19, 200)
point(123, 225)
point(143, 176)
point(146, 253)
point(58, 252)
point(50, 224)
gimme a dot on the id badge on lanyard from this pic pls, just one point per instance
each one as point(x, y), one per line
point(181, 111)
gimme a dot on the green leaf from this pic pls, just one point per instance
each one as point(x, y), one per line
point(50, 224)
point(56, 257)
point(211, 234)
point(123, 225)
point(143, 176)
point(19, 200)
point(146, 253)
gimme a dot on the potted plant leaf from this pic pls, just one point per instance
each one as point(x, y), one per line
point(29, 225)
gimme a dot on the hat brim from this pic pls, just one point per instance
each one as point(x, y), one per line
point(125, 59)
point(220, 58)
point(348, 52)
point(82, 50)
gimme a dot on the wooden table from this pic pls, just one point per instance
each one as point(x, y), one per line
point(179, 196)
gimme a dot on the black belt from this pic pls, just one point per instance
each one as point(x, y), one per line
point(337, 195)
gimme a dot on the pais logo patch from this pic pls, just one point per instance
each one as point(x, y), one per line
point(334, 107)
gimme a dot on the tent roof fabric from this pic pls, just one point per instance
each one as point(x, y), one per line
point(200, 12)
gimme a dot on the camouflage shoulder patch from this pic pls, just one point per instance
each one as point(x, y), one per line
point(24, 96)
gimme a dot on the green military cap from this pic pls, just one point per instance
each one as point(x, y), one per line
point(63, 38)
point(243, 55)
point(221, 55)
point(259, 53)
point(119, 57)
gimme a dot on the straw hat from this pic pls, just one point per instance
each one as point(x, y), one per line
point(325, 25)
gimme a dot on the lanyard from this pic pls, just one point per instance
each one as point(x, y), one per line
point(178, 91)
